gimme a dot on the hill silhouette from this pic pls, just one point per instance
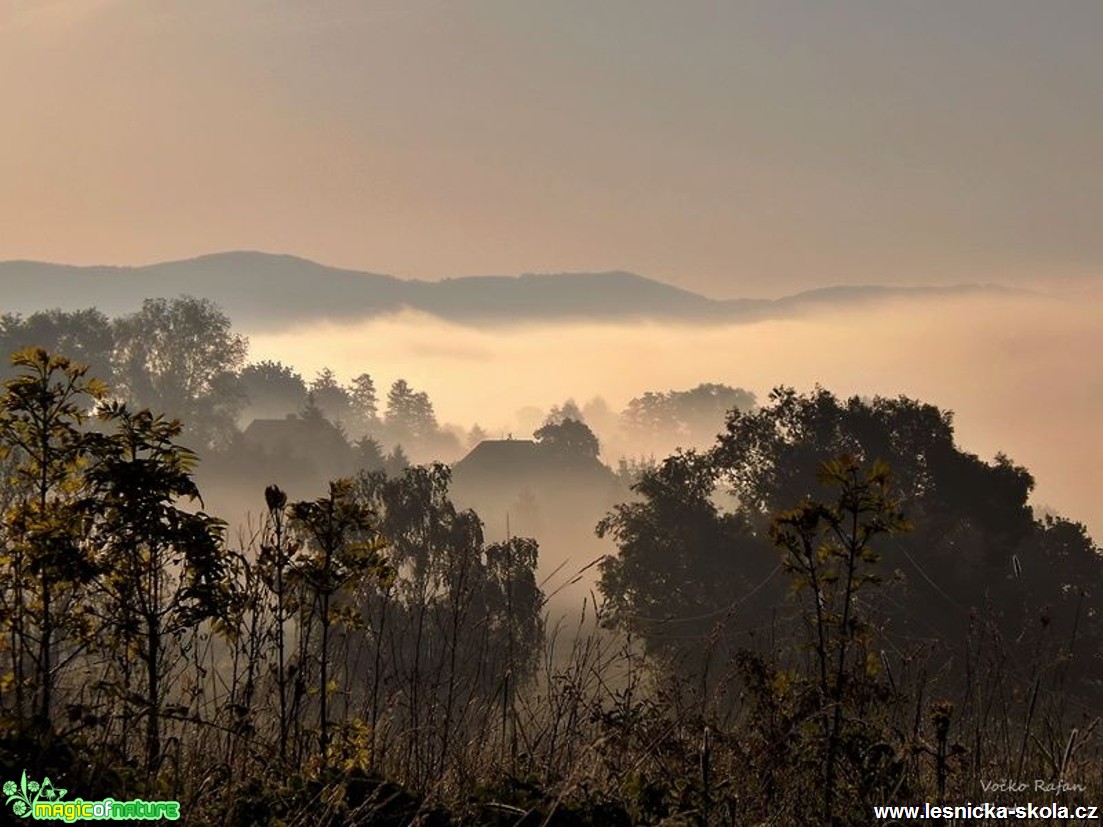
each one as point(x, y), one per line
point(262, 290)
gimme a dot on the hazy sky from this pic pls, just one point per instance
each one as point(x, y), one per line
point(732, 148)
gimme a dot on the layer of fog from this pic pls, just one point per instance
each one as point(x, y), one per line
point(1022, 373)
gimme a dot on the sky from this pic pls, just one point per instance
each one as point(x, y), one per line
point(736, 149)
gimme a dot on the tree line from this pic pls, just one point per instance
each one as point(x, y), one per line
point(182, 357)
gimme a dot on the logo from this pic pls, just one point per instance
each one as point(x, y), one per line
point(43, 802)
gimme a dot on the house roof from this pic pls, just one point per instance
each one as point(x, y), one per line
point(501, 456)
point(293, 432)
point(507, 461)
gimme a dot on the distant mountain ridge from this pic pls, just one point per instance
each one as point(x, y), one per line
point(265, 291)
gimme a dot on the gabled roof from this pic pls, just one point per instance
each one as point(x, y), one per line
point(295, 433)
point(509, 461)
point(502, 456)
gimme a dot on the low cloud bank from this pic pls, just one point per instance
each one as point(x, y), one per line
point(1021, 372)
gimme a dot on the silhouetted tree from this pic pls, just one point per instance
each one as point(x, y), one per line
point(181, 356)
point(972, 521)
point(83, 336)
point(365, 404)
point(570, 439)
point(410, 416)
point(42, 411)
point(679, 555)
point(959, 503)
point(272, 389)
point(690, 418)
point(369, 455)
point(830, 551)
point(164, 568)
point(341, 545)
point(333, 399)
point(560, 413)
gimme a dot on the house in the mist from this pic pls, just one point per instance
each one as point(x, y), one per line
point(305, 439)
point(536, 487)
point(499, 460)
